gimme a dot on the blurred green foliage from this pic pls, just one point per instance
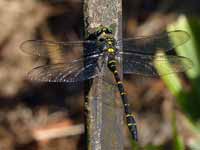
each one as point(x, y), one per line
point(189, 100)
point(188, 97)
point(178, 143)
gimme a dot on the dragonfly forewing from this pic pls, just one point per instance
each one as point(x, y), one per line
point(51, 48)
point(153, 43)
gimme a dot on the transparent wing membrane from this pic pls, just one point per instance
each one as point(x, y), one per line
point(146, 64)
point(139, 57)
point(152, 44)
point(61, 72)
point(51, 48)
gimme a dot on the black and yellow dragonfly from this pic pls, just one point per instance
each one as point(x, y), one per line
point(138, 57)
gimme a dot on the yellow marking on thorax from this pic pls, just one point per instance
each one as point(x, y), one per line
point(110, 42)
point(111, 50)
point(112, 61)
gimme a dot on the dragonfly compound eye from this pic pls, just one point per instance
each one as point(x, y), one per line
point(101, 39)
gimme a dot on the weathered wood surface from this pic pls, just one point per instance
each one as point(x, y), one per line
point(104, 121)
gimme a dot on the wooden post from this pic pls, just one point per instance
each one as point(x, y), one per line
point(104, 119)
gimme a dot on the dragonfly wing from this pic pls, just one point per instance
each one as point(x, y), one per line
point(153, 43)
point(134, 63)
point(50, 48)
point(62, 72)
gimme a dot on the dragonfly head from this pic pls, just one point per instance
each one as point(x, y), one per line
point(104, 34)
point(103, 30)
point(105, 38)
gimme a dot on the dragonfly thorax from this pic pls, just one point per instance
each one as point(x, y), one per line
point(107, 42)
point(105, 39)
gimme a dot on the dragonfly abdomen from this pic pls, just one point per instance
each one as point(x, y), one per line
point(129, 117)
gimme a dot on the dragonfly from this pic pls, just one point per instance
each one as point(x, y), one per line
point(138, 57)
